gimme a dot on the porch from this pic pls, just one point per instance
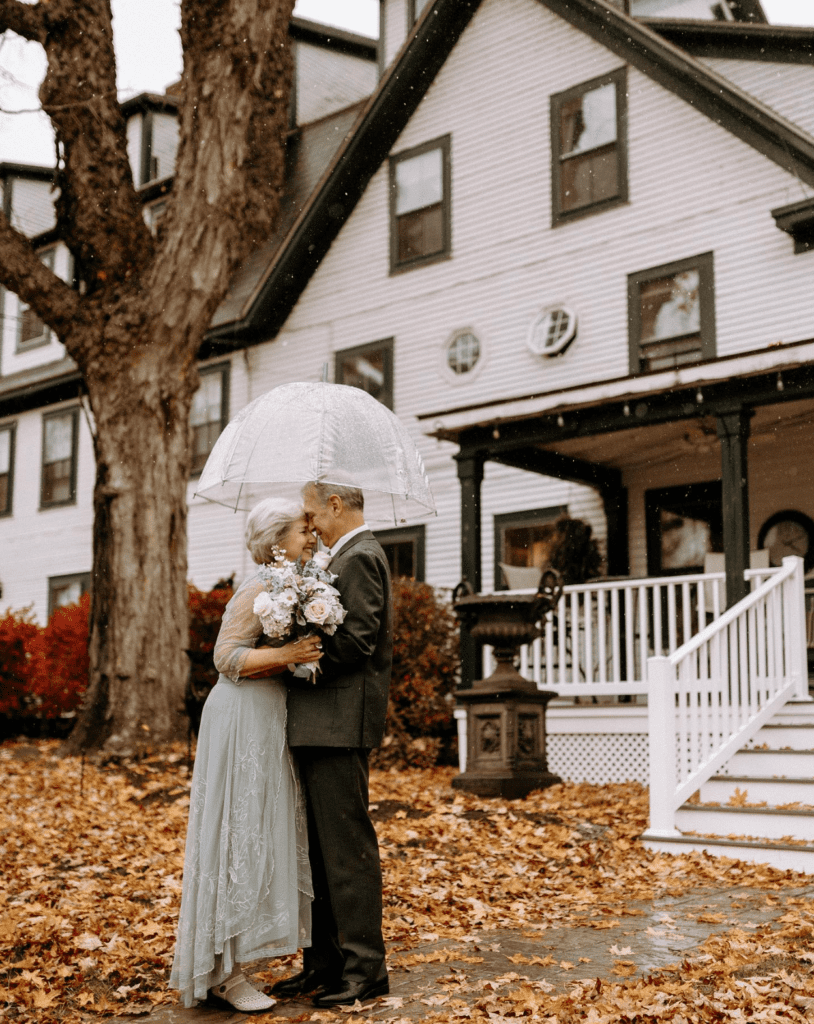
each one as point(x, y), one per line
point(725, 740)
point(716, 656)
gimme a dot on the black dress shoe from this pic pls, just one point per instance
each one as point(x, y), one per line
point(351, 991)
point(305, 983)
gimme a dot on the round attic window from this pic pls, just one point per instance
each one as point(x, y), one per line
point(552, 331)
point(463, 352)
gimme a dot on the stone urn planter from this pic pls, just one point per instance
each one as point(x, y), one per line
point(505, 714)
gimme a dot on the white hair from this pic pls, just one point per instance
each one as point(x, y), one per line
point(266, 525)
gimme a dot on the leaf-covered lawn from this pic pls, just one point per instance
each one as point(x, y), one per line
point(91, 880)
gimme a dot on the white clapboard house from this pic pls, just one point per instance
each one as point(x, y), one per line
point(573, 249)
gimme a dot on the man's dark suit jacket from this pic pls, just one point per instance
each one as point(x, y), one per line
point(347, 705)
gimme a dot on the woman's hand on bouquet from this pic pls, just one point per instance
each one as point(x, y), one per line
point(305, 651)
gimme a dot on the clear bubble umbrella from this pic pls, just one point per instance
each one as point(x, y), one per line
point(329, 433)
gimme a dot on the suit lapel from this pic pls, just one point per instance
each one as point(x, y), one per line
point(364, 535)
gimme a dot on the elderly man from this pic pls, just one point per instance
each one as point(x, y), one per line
point(332, 726)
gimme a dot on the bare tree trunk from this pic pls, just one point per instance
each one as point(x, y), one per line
point(138, 634)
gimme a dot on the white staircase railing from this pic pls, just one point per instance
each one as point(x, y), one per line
point(599, 639)
point(713, 694)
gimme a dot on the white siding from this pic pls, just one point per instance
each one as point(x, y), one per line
point(32, 206)
point(164, 144)
point(787, 88)
point(329, 81)
point(134, 132)
point(38, 544)
point(394, 28)
point(673, 8)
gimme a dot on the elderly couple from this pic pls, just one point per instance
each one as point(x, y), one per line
point(267, 870)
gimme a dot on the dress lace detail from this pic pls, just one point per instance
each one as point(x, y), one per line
point(247, 882)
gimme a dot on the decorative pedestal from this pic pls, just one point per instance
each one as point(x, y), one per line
point(506, 734)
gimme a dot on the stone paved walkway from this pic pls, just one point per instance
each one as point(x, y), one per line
point(657, 934)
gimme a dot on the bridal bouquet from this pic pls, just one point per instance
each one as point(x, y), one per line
point(298, 598)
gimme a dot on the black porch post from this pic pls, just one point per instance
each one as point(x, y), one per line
point(733, 432)
point(470, 473)
point(615, 502)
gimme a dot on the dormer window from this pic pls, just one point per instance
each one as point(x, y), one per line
point(589, 147)
point(420, 205)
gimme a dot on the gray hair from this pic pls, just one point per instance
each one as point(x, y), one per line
point(352, 497)
point(267, 524)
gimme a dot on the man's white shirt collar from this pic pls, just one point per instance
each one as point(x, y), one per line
point(345, 538)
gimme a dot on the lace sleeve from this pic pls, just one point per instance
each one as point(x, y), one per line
point(239, 630)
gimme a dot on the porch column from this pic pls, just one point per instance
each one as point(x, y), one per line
point(733, 432)
point(615, 502)
point(470, 473)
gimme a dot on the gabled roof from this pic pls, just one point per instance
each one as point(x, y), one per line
point(792, 44)
point(264, 293)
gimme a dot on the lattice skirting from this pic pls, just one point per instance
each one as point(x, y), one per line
point(599, 757)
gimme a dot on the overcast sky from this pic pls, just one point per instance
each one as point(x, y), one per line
point(149, 58)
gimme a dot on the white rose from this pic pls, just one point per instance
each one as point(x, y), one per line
point(317, 611)
point(321, 559)
point(262, 604)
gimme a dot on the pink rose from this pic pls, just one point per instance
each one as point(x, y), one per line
point(317, 611)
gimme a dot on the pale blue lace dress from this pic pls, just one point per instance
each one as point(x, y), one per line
point(247, 884)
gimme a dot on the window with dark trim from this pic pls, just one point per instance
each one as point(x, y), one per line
point(682, 525)
point(369, 367)
point(404, 549)
point(68, 589)
point(589, 147)
point(209, 413)
point(420, 223)
point(7, 435)
point(671, 314)
point(31, 331)
point(521, 543)
point(60, 435)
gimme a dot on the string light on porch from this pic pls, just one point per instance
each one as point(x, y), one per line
point(780, 384)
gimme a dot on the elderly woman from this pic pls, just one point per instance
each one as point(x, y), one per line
point(247, 885)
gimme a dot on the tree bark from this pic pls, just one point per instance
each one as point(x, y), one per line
point(143, 305)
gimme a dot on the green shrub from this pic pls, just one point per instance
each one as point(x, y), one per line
point(420, 726)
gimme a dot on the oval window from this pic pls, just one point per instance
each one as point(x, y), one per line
point(463, 352)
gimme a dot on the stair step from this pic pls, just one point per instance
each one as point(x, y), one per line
point(796, 711)
point(767, 764)
point(783, 856)
point(783, 735)
point(775, 791)
point(759, 822)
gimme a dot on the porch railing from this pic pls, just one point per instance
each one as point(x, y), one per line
point(712, 695)
point(601, 635)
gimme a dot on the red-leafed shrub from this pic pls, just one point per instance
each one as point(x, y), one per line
point(44, 669)
point(61, 659)
point(420, 724)
point(18, 633)
point(205, 614)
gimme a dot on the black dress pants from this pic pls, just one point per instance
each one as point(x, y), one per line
point(346, 914)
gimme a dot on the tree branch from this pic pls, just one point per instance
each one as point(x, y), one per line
point(98, 211)
point(23, 272)
point(229, 173)
point(27, 20)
